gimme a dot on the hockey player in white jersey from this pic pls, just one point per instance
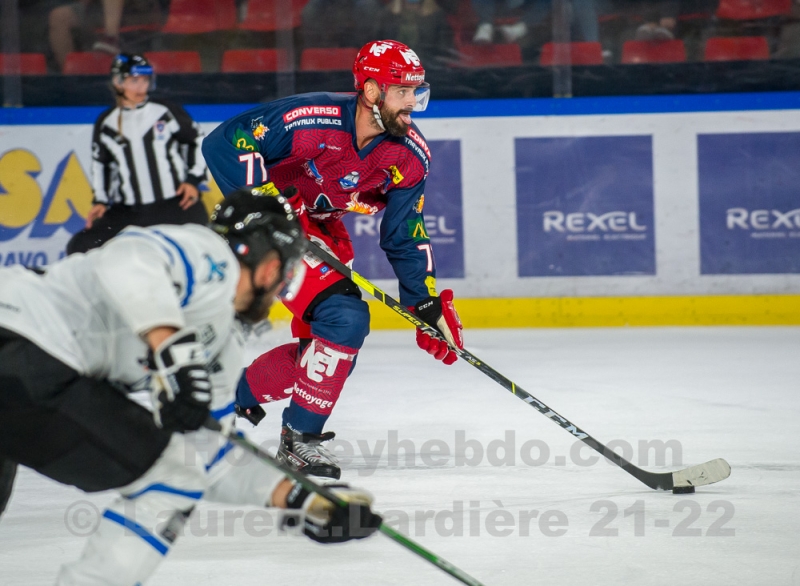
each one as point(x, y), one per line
point(154, 303)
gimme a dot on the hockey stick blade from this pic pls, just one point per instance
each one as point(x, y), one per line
point(702, 474)
point(241, 441)
point(699, 475)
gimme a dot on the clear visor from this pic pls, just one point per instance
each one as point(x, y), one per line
point(139, 71)
point(293, 280)
point(422, 93)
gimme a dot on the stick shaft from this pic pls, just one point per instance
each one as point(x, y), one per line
point(661, 481)
point(328, 494)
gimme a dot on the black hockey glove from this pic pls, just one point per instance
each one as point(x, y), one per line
point(325, 522)
point(183, 398)
point(253, 414)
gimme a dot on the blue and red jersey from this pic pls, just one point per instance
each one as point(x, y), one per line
point(309, 141)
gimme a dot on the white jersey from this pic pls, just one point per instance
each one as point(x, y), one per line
point(91, 310)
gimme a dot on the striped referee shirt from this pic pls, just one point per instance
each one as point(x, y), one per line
point(141, 155)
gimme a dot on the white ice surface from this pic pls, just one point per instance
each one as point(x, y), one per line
point(721, 392)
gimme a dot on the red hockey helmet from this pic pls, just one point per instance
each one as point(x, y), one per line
point(391, 63)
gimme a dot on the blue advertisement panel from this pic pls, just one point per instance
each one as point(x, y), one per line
point(749, 203)
point(443, 220)
point(585, 206)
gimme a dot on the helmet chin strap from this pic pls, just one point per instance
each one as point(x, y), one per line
point(377, 113)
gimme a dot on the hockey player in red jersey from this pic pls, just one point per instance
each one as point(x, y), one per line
point(333, 154)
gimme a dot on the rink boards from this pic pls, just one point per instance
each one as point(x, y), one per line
point(582, 212)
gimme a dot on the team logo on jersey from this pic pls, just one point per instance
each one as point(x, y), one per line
point(360, 207)
point(160, 127)
point(397, 176)
point(349, 181)
point(387, 183)
point(216, 270)
point(321, 204)
point(420, 204)
point(311, 170)
point(416, 229)
point(258, 128)
point(243, 141)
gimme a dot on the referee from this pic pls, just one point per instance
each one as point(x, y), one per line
point(146, 160)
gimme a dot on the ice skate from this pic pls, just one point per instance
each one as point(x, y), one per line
point(304, 452)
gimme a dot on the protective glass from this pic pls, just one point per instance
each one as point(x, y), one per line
point(422, 93)
point(293, 275)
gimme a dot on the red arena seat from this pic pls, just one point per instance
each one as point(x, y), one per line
point(23, 63)
point(753, 9)
point(271, 15)
point(328, 59)
point(736, 49)
point(200, 16)
point(175, 61)
point(483, 55)
point(250, 60)
point(89, 63)
point(580, 54)
point(653, 51)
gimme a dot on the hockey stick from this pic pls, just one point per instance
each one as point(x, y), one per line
point(681, 480)
point(324, 492)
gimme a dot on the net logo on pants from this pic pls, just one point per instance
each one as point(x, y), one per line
point(319, 363)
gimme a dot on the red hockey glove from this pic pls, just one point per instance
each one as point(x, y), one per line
point(440, 314)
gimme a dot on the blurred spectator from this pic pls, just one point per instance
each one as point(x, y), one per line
point(421, 24)
point(657, 20)
point(33, 27)
point(534, 12)
point(789, 37)
point(66, 22)
point(340, 23)
point(73, 25)
point(146, 160)
point(660, 20)
point(112, 17)
point(691, 21)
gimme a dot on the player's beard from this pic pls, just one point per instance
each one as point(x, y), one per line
point(392, 122)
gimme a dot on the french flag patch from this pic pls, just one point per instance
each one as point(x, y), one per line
point(242, 249)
